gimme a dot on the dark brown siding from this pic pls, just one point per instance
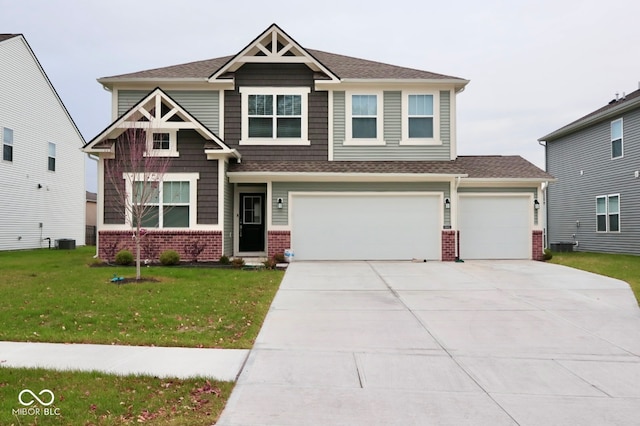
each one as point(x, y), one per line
point(192, 159)
point(278, 75)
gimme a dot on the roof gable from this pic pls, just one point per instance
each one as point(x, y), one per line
point(157, 110)
point(272, 46)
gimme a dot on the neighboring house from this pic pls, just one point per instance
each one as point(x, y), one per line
point(91, 218)
point(595, 204)
point(283, 147)
point(42, 164)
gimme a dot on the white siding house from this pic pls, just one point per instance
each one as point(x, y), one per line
point(41, 164)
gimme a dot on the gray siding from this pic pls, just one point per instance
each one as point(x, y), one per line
point(282, 189)
point(192, 159)
point(573, 197)
point(392, 131)
point(278, 75)
point(227, 248)
point(203, 105)
point(507, 190)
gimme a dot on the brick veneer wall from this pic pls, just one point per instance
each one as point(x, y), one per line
point(278, 242)
point(537, 246)
point(449, 245)
point(155, 242)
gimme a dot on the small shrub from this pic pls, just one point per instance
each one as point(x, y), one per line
point(194, 249)
point(270, 263)
point(169, 257)
point(547, 254)
point(224, 260)
point(124, 257)
point(278, 257)
point(237, 262)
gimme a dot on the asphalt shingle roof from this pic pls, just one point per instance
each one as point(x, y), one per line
point(479, 167)
point(4, 37)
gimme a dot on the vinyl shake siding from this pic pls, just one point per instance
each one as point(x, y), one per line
point(584, 168)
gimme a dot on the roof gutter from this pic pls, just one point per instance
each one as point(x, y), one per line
point(240, 177)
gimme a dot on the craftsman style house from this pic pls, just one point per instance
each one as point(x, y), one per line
point(283, 147)
point(42, 200)
point(595, 204)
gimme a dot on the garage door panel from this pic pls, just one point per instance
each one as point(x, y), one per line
point(371, 227)
point(495, 227)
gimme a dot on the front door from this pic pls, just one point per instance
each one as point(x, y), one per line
point(251, 232)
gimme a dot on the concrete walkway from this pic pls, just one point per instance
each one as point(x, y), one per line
point(219, 364)
point(479, 343)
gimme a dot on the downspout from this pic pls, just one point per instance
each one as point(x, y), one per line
point(457, 231)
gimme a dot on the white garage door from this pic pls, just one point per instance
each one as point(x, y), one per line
point(365, 226)
point(495, 227)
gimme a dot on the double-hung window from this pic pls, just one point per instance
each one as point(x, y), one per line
point(274, 116)
point(52, 157)
point(608, 213)
point(7, 144)
point(364, 123)
point(616, 138)
point(419, 123)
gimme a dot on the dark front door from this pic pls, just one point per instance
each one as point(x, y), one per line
point(251, 233)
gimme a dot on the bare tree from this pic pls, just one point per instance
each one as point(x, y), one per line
point(134, 177)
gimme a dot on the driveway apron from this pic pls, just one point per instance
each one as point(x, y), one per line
point(475, 343)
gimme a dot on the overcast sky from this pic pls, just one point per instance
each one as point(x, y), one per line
point(534, 66)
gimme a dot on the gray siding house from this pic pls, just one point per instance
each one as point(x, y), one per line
point(595, 203)
point(279, 147)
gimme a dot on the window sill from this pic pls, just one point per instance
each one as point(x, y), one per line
point(364, 142)
point(276, 142)
point(420, 142)
point(162, 154)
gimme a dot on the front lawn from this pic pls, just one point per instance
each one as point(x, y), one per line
point(624, 267)
point(89, 398)
point(54, 296)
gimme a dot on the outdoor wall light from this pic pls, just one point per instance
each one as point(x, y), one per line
point(536, 204)
point(39, 186)
point(279, 201)
point(447, 203)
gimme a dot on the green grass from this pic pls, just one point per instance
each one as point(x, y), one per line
point(54, 296)
point(100, 399)
point(624, 267)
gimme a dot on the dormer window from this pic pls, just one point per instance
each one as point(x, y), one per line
point(163, 143)
point(274, 116)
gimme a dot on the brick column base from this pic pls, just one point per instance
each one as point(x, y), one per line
point(537, 247)
point(278, 242)
point(449, 245)
point(185, 243)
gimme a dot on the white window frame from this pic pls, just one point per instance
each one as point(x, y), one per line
point(608, 213)
point(303, 92)
point(621, 138)
point(7, 143)
point(192, 178)
point(173, 143)
point(49, 156)
point(435, 140)
point(349, 139)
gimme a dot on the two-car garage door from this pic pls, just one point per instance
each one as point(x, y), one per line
point(366, 226)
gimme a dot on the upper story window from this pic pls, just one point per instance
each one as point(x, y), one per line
point(364, 123)
point(7, 144)
point(52, 157)
point(608, 213)
point(420, 126)
point(616, 138)
point(163, 143)
point(274, 116)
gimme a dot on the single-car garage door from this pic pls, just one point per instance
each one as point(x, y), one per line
point(495, 226)
point(372, 226)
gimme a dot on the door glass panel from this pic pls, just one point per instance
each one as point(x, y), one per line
point(252, 210)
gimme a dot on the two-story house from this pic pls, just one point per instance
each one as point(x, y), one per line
point(595, 204)
point(41, 163)
point(284, 147)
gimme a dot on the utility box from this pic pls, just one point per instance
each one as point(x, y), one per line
point(562, 247)
point(66, 244)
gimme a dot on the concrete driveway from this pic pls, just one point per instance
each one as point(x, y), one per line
point(475, 343)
